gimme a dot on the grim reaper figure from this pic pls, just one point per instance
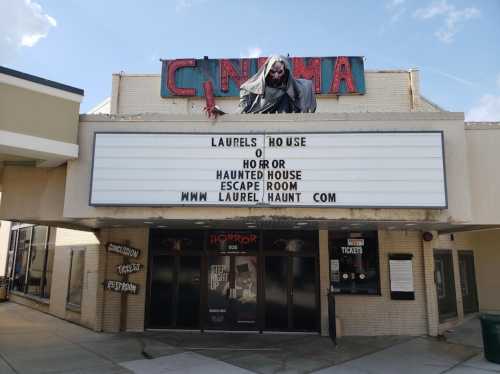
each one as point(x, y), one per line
point(273, 89)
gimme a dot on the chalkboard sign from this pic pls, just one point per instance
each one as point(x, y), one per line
point(123, 250)
point(122, 287)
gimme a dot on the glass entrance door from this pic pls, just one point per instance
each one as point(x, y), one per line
point(231, 280)
point(290, 278)
point(232, 292)
point(445, 284)
point(468, 281)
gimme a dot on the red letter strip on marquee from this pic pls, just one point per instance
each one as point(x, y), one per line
point(261, 61)
point(341, 72)
point(228, 70)
point(173, 66)
point(312, 71)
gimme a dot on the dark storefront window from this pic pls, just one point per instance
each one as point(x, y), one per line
point(176, 241)
point(47, 283)
point(76, 277)
point(290, 241)
point(37, 260)
point(354, 264)
point(30, 260)
point(244, 280)
point(21, 261)
point(175, 278)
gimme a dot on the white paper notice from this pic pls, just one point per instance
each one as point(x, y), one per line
point(401, 272)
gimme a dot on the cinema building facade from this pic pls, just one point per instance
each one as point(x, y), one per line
point(147, 214)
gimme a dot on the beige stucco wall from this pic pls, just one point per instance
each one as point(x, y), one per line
point(64, 241)
point(483, 152)
point(33, 194)
point(79, 171)
point(486, 247)
point(38, 114)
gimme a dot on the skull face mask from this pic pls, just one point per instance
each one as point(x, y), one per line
point(277, 75)
point(273, 89)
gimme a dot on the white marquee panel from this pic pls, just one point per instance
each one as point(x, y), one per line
point(397, 169)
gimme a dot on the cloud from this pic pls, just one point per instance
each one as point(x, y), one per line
point(396, 2)
point(453, 18)
point(183, 5)
point(22, 24)
point(252, 52)
point(488, 109)
point(396, 8)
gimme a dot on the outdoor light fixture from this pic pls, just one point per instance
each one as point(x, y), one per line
point(427, 236)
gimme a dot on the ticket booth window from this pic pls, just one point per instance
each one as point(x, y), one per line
point(354, 264)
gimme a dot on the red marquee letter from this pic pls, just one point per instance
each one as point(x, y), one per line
point(227, 70)
point(172, 68)
point(341, 72)
point(312, 71)
point(261, 61)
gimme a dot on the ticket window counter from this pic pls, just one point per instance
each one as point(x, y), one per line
point(234, 280)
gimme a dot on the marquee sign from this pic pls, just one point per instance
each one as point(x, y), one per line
point(338, 75)
point(363, 169)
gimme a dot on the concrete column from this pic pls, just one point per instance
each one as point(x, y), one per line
point(4, 245)
point(430, 286)
point(415, 102)
point(103, 236)
point(324, 279)
point(115, 93)
point(458, 285)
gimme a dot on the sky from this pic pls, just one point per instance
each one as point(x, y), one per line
point(454, 43)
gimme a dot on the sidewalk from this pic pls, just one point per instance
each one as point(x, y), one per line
point(33, 342)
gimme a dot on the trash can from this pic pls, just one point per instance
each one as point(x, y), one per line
point(490, 327)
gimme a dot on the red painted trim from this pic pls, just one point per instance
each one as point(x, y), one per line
point(172, 68)
point(342, 71)
point(228, 70)
point(311, 71)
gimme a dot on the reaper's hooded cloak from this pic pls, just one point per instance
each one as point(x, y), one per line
point(256, 97)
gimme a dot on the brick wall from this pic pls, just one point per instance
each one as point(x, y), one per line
point(111, 302)
point(386, 91)
point(379, 315)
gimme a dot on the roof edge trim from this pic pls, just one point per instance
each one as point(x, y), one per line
point(39, 80)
